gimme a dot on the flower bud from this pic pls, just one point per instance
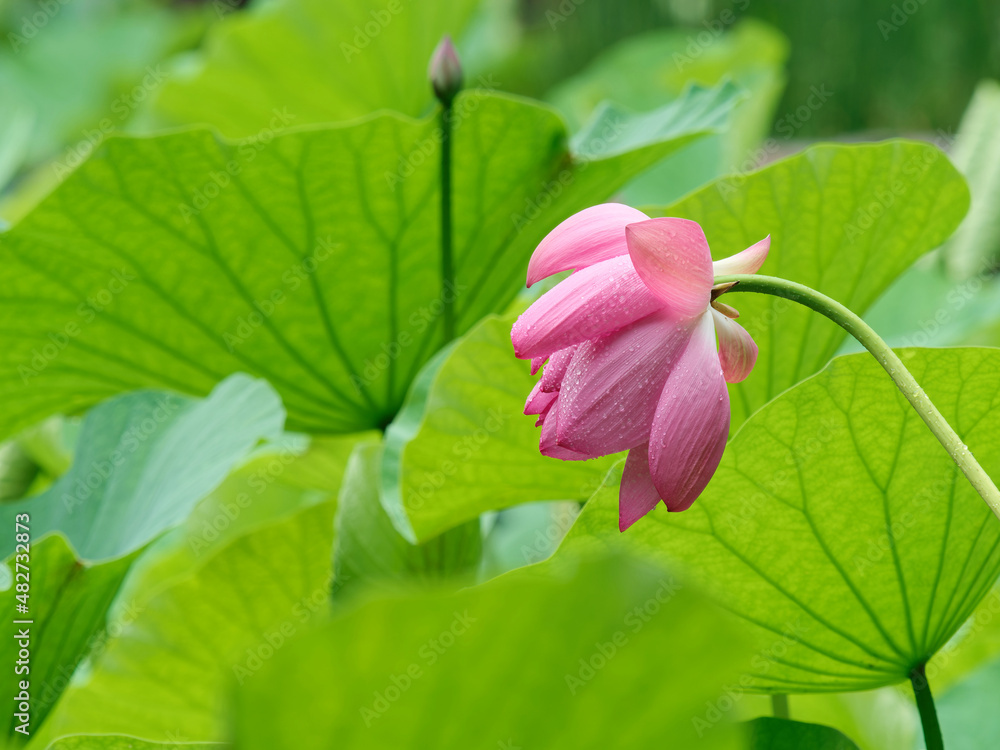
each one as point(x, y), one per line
point(445, 71)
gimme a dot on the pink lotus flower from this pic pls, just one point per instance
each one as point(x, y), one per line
point(628, 343)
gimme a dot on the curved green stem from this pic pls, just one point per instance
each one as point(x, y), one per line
point(925, 705)
point(886, 357)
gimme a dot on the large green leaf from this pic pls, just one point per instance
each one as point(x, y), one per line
point(371, 552)
point(837, 526)
point(67, 603)
point(144, 460)
point(167, 672)
point(125, 742)
point(845, 220)
point(610, 653)
point(462, 446)
point(310, 259)
point(782, 734)
point(321, 61)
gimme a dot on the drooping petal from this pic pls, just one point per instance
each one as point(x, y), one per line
point(538, 400)
point(673, 259)
point(554, 371)
point(536, 364)
point(548, 444)
point(597, 300)
point(611, 388)
point(745, 261)
point(637, 495)
point(737, 349)
point(691, 422)
point(585, 238)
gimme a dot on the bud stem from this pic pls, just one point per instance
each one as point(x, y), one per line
point(447, 261)
point(925, 705)
point(892, 364)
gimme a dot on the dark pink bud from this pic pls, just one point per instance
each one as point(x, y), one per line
point(445, 71)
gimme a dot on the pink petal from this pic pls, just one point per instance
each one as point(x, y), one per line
point(746, 261)
point(597, 300)
point(539, 400)
point(548, 444)
point(585, 238)
point(637, 495)
point(554, 371)
point(610, 391)
point(536, 364)
point(737, 350)
point(672, 258)
point(691, 422)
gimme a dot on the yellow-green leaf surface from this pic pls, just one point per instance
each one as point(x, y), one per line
point(311, 258)
point(845, 220)
point(837, 527)
point(462, 446)
point(320, 61)
point(606, 653)
point(168, 671)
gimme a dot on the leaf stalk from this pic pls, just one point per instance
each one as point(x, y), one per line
point(886, 357)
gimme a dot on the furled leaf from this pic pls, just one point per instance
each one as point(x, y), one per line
point(67, 604)
point(311, 259)
point(462, 445)
point(645, 71)
point(369, 551)
point(320, 61)
point(976, 244)
point(167, 673)
point(144, 460)
point(845, 220)
point(837, 526)
point(610, 653)
point(769, 733)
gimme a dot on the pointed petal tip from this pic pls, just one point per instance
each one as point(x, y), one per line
point(585, 238)
point(746, 261)
point(672, 258)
